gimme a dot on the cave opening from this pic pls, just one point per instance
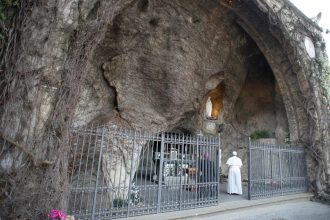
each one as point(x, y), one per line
point(259, 108)
point(159, 67)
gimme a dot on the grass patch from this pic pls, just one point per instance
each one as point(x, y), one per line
point(259, 134)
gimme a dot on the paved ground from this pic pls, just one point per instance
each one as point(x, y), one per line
point(289, 207)
point(294, 210)
point(149, 193)
point(225, 197)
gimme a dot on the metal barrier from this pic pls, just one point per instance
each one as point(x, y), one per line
point(118, 173)
point(276, 170)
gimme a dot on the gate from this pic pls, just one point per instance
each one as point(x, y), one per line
point(118, 173)
point(276, 170)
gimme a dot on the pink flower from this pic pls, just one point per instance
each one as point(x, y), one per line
point(56, 215)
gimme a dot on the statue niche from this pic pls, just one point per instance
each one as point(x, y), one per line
point(209, 108)
point(214, 103)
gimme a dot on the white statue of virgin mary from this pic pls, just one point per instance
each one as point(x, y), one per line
point(208, 108)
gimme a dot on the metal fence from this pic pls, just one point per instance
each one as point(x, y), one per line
point(117, 173)
point(276, 170)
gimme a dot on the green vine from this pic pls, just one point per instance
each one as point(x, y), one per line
point(324, 69)
point(6, 7)
point(325, 77)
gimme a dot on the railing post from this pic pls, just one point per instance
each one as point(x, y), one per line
point(218, 167)
point(305, 171)
point(264, 167)
point(180, 205)
point(280, 161)
point(160, 173)
point(131, 175)
point(249, 169)
point(271, 169)
point(98, 173)
point(197, 168)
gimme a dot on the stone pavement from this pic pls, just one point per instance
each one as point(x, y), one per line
point(290, 207)
point(225, 197)
point(287, 210)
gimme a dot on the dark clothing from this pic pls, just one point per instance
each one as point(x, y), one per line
point(207, 179)
point(207, 171)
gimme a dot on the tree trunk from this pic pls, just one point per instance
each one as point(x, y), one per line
point(44, 65)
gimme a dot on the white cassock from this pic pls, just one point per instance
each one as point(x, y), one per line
point(208, 108)
point(234, 175)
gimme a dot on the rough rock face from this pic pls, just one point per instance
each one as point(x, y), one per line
point(120, 163)
point(152, 64)
point(158, 63)
point(157, 59)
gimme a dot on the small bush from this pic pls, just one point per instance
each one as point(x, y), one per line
point(5, 5)
point(327, 190)
point(259, 134)
point(223, 176)
point(119, 203)
point(324, 198)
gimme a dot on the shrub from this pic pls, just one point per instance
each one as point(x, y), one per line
point(259, 134)
point(119, 203)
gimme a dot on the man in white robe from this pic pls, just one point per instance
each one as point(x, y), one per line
point(234, 175)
